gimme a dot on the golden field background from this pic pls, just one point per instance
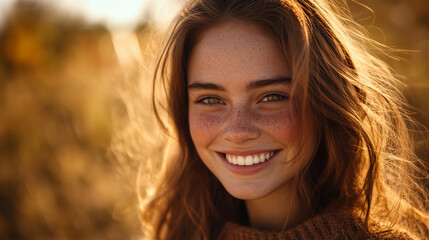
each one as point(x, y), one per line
point(65, 89)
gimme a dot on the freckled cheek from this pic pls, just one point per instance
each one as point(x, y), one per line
point(204, 127)
point(281, 126)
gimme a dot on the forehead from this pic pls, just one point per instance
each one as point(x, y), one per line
point(236, 50)
point(231, 33)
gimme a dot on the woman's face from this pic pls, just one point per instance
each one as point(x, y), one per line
point(241, 120)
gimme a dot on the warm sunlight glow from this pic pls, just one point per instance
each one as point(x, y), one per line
point(5, 6)
point(127, 49)
point(116, 14)
point(126, 13)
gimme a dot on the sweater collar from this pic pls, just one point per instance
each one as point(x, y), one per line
point(331, 225)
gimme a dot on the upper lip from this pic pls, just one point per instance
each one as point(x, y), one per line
point(247, 152)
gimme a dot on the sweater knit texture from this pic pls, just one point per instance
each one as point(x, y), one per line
point(326, 226)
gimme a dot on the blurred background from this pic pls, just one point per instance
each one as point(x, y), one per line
point(66, 70)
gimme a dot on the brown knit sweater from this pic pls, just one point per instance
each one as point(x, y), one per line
point(325, 226)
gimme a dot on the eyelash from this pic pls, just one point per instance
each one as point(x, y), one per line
point(280, 97)
point(206, 100)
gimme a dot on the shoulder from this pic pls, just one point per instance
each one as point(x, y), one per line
point(331, 225)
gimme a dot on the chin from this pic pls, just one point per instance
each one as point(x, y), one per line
point(247, 191)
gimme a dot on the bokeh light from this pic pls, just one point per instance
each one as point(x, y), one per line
point(115, 14)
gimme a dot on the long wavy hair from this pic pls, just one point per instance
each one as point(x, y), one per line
point(364, 161)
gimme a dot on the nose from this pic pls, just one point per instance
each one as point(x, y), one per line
point(240, 127)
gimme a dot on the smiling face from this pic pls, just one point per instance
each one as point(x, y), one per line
point(241, 120)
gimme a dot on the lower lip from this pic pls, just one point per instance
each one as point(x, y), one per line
point(243, 169)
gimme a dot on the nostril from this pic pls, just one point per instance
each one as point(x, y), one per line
point(237, 133)
point(240, 127)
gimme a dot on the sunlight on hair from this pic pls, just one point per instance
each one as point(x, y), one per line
point(127, 49)
point(139, 144)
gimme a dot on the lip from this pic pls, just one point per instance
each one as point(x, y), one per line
point(243, 169)
point(247, 152)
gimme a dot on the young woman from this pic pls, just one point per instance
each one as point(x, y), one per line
point(287, 125)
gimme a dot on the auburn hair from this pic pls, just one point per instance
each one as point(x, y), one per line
point(363, 161)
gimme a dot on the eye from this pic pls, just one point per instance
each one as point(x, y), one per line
point(274, 97)
point(210, 100)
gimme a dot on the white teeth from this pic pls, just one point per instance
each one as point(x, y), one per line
point(249, 159)
point(240, 160)
point(262, 157)
point(256, 160)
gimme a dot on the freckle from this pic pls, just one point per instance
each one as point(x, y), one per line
point(207, 123)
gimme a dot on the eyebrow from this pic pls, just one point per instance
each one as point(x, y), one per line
point(205, 86)
point(252, 85)
point(268, 82)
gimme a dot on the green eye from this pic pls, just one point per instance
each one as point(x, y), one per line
point(273, 98)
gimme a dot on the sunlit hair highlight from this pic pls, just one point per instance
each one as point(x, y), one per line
point(363, 161)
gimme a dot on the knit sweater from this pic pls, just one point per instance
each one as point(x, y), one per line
point(326, 226)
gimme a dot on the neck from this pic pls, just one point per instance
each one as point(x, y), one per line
point(279, 210)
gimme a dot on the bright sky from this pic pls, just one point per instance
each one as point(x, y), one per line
point(117, 14)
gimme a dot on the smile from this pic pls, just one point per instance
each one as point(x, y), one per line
point(249, 160)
